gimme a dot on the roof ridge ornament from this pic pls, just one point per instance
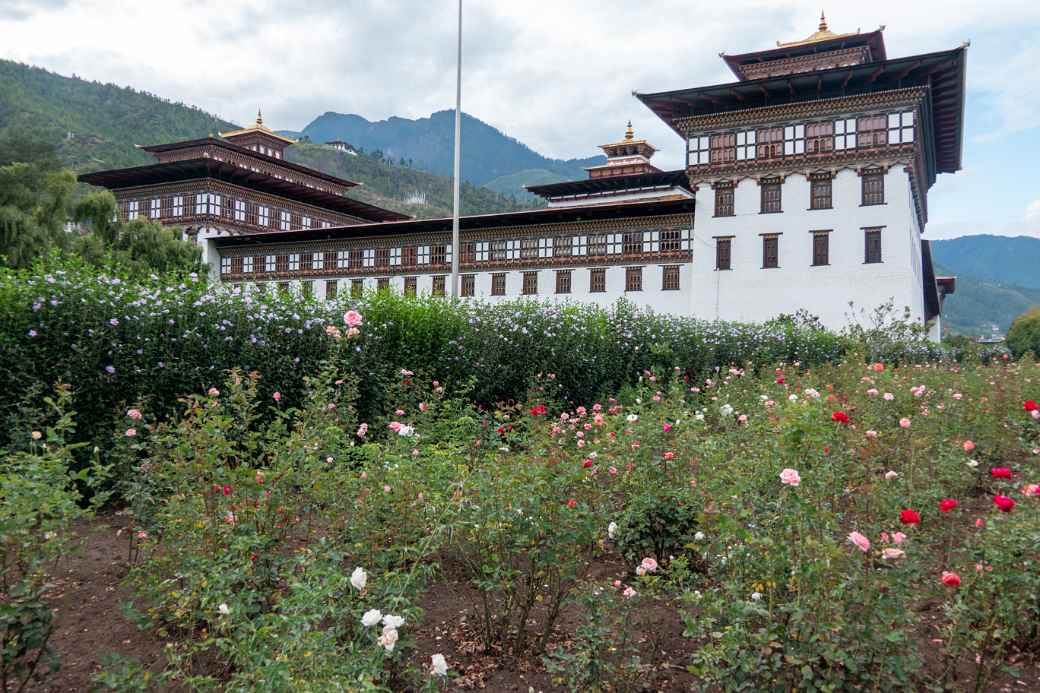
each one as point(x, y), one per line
point(629, 132)
point(823, 33)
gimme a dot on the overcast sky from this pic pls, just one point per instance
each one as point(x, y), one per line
point(557, 75)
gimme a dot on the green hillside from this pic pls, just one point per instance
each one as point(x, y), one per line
point(513, 183)
point(978, 305)
point(96, 126)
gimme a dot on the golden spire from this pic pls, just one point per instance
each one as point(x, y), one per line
point(822, 34)
point(259, 117)
point(629, 132)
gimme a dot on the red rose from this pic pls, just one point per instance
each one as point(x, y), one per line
point(1000, 473)
point(586, 464)
point(910, 517)
point(951, 579)
point(947, 504)
point(840, 417)
point(1004, 503)
point(1031, 405)
point(227, 490)
point(571, 503)
point(780, 380)
point(538, 410)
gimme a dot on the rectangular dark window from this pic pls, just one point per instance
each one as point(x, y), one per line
point(872, 239)
point(563, 281)
point(598, 244)
point(498, 284)
point(770, 196)
point(469, 283)
point(438, 284)
point(821, 248)
point(873, 188)
point(722, 254)
point(382, 257)
point(411, 285)
point(356, 257)
point(331, 289)
point(770, 252)
point(633, 279)
point(408, 256)
point(563, 246)
point(670, 278)
point(357, 288)
point(469, 252)
point(597, 280)
point(724, 200)
point(820, 191)
point(528, 248)
point(530, 286)
point(671, 240)
point(500, 250)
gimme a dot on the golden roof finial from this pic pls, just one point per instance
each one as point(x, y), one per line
point(823, 34)
point(823, 21)
point(259, 117)
point(629, 132)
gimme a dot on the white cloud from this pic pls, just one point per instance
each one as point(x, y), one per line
point(1033, 212)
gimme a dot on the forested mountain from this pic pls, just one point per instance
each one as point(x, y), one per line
point(998, 278)
point(427, 143)
point(95, 126)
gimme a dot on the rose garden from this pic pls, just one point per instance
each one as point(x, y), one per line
point(266, 493)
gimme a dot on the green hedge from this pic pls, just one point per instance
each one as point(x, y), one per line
point(119, 343)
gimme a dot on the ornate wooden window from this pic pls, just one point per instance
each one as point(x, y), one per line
point(872, 242)
point(383, 284)
point(819, 137)
point(438, 254)
point(281, 263)
point(723, 258)
point(411, 286)
point(305, 222)
point(770, 195)
point(294, 262)
point(263, 215)
point(770, 251)
point(499, 250)
point(357, 288)
point(821, 248)
point(633, 279)
point(240, 210)
point(528, 248)
point(671, 240)
point(408, 256)
point(438, 285)
point(498, 284)
point(382, 258)
point(201, 203)
point(357, 258)
point(598, 244)
point(632, 243)
point(563, 246)
point(723, 148)
point(178, 206)
point(225, 265)
point(285, 218)
point(530, 286)
point(563, 281)
point(872, 131)
point(236, 265)
point(770, 143)
point(670, 278)
point(597, 280)
point(469, 285)
point(214, 205)
point(307, 288)
point(469, 252)
point(794, 140)
point(900, 127)
point(699, 151)
point(331, 289)
point(270, 263)
point(746, 143)
point(329, 260)
point(247, 264)
point(155, 210)
point(724, 199)
point(873, 187)
point(820, 186)
point(342, 259)
point(845, 134)
point(132, 209)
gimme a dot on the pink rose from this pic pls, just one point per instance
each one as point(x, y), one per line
point(860, 541)
point(891, 554)
point(423, 406)
point(352, 318)
point(277, 396)
point(790, 477)
point(648, 565)
point(131, 432)
point(968, 446)
point(871, 434)
point(898, 538)
point(134, 414)
point(904, 422)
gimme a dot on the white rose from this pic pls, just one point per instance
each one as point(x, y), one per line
point(388, 639)
point(359, 578)
point(371, 617)
point(699, 536)
point(438, 665)
point(612, 530)
point(224, 609)
point(632, 418)
point(726, 410)
point(392, 622)
point(757, 596)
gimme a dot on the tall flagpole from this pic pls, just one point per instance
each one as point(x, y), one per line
point(458, 167)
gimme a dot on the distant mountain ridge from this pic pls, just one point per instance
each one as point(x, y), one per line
point(488, 155)
point(998, 278)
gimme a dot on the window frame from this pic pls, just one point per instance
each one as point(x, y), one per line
point(817, 200)
point(727, 243)
point(468, 285)
point(529, 286)
point(877, 256)
point(770, 251)
point(766, 187)
point(498, 283)
point(670, 277)
point(597, 280)
point(825, 236)
point(725, 199)
point(563, 281)
point(871, 196)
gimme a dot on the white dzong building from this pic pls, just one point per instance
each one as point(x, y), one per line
point(805, 189)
